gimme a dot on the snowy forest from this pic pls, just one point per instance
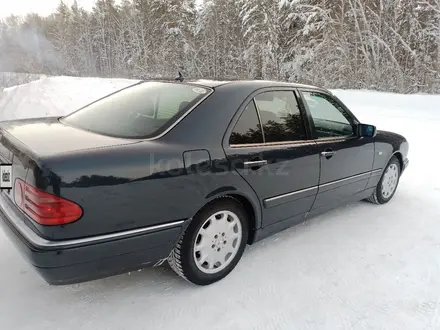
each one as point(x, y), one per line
point(390, 45)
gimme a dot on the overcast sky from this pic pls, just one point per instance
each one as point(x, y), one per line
point(42, 7)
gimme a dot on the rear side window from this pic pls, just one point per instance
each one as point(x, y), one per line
point(280, 116)
point(248, 128)
point(139, 111)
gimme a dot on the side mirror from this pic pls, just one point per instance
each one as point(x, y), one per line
point(365, 130)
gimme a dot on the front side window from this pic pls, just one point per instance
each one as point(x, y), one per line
point(280, 116)
point(140, 111)
point(329, 118)
point(248, 128)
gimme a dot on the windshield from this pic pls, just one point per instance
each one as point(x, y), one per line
point(140, 111)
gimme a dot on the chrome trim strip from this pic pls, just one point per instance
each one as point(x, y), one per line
point(271, 199)
point(41, 242)
point(345, 179)
point(272, 144)
point(298, 142)
point(335, 139)
point(106, 237)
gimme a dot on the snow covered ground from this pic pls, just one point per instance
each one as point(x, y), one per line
point(359, 267)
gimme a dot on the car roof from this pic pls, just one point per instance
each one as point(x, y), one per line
point(250, 83)
point(240, 84)
point(208, 82)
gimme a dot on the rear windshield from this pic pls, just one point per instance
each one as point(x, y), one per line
point(140, 111)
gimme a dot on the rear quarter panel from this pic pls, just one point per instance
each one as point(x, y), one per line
point(134, 186)
point(119, 188)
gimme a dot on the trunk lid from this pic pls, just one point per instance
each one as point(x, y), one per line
point(26, 143)
point(47, 136)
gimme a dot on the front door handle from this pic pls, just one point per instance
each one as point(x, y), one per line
point(328, 153)
point(255, 165)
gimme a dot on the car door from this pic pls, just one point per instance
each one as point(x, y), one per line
point(346, 159)
point(268, 145)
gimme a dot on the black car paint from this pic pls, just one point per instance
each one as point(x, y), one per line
point(34, 134)
point(353, 159)
point(124, 184)
point(386, 145)
point(80, 262)
point(274, 179)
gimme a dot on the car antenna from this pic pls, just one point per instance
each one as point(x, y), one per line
point(180, 77)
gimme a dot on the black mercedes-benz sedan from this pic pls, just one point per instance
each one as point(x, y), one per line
point(189, 172)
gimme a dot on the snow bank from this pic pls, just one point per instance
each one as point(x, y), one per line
point(9, 79)
point(51, 96)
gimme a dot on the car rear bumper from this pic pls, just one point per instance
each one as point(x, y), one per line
point(73, 261)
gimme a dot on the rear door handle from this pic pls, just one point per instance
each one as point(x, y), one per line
point(255, 164)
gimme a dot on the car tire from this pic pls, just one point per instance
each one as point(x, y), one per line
point(213, 243)
point(387, 186)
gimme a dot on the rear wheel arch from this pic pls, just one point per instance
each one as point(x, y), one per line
point(250, 211)
point(253, 212)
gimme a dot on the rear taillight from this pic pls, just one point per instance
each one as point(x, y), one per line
point(45, 209)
